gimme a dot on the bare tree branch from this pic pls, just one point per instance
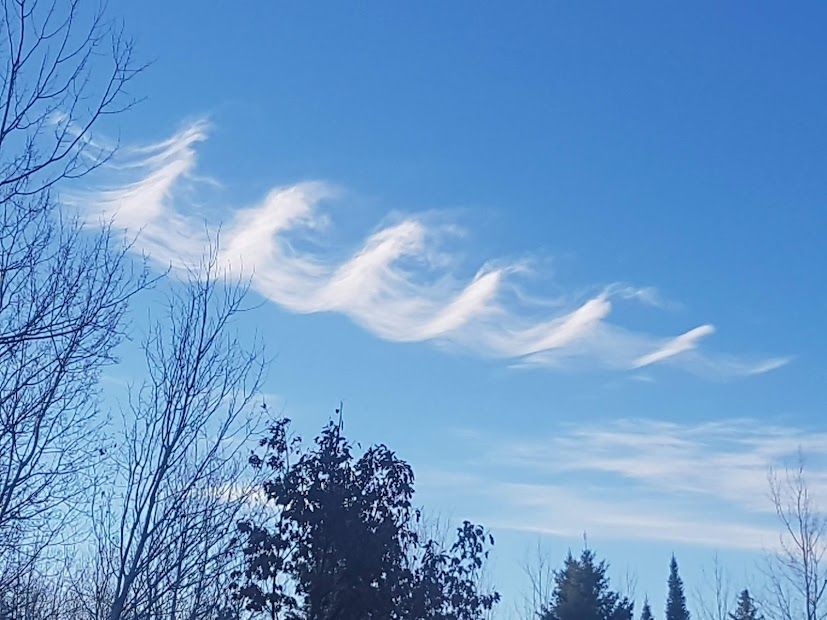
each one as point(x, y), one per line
point(714, 597)
point(62, 69)
point(797, 579)
point(164, 533)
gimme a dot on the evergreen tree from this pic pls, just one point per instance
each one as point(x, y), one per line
point(746, 608)
point(646, 612)
point(581, 592)
point(676, 601)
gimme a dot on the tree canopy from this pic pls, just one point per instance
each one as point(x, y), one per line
point(746, 609)
point(343, 539)
point(582, 592)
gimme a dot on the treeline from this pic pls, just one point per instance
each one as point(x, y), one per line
point(158, 509)
point(581, 591)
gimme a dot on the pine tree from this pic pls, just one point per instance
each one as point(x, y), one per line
point(676, 601)
point(581, 592)
point(646, 612)
point(746, 608)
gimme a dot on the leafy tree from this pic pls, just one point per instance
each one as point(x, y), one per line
point(342, 540)
point(646, 612)
point(746, 609)
point(676, 600)
point(582, 592)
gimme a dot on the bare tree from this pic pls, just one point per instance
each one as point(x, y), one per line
point(62, 293)
point(41, 594)
point(61, 306)
point(714, 597)
point(165, 530)
point(539, 570)
point(796, 575)
point(63, 68)
point(630, 583)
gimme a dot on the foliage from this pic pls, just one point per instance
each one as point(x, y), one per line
point(676, 600)
point(344, 542)
point(582, 592)
point(746, 609)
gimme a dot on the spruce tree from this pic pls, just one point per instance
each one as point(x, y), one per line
point(646, 612)
point(676, 600)
point(746, 608)
point(582, 592)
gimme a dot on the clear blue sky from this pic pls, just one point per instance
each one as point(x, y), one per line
point(618, 177)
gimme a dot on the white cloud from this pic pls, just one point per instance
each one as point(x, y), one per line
point(396, 283)
point(559, 511)
point(675, 346)
point(694, 483)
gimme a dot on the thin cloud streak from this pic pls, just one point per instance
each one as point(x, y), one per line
point(704, 484)
point(395, 284)
point(558, 511)
point(724, 461)
point(676, 346)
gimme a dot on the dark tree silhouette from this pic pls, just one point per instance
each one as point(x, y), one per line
point(582, 592)
point(62, 293)
point(164, 536)
point(676, 599)
point(746, 609)
point(64, 66)
point(343, 540)
point(646, 611)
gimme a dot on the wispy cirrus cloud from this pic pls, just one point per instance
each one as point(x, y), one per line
point(675, 346)
point(726, 460)
point(398, 282)
point(704, 484)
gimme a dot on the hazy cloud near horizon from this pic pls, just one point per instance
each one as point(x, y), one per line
point(399, 282)
point(703, 484)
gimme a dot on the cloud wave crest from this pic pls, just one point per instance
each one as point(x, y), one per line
point(396, 283)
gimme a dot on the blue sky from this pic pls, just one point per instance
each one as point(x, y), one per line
point(566, 258)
